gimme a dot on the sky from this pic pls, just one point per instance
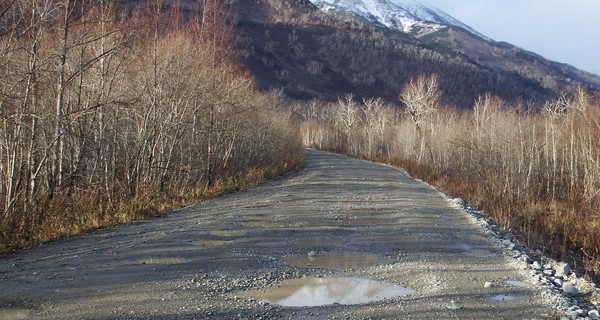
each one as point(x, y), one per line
point(566, 31)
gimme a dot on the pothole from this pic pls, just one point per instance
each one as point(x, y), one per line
point(502, 297)
point(163, 261)
point(309, 292)
point(212, 243)
point(338, 261)
point(228, 233)
point(14, 314)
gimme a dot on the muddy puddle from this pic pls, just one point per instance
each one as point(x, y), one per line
point(337, 260)
point(14, 314)
point(308, 292)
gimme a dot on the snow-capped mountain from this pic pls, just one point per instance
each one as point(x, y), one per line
point(403, 15)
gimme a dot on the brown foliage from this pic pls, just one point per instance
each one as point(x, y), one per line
point(537, 173)
point(102, 123)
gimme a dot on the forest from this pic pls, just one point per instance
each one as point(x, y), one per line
point(535, 172)
point(108, 114)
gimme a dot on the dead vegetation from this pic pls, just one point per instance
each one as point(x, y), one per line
point(533, 171)
point(109, 114)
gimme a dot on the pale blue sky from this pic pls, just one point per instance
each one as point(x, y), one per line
point(560, 30)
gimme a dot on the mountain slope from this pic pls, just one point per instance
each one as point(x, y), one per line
point(312, 54)
point(291, 45)
point(403, 15)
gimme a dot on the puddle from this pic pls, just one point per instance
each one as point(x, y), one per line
point(309, 292)
point(14, 314)
point(212, 243)
point(163, 261)
point(340, 261)
point(518, 284)
point(502, 297)
point(318, 242)
point(228, 233)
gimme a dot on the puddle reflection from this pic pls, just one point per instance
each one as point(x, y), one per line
point(503, 297)
point(308, 292)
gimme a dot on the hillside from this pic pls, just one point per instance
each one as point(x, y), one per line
point(293, 46)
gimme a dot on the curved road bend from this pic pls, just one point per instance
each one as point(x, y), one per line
point(194, 262)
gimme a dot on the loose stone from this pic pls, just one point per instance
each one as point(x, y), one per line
point(562, 269)
point(569, 289)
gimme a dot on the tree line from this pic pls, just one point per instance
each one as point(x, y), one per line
point(109, 113)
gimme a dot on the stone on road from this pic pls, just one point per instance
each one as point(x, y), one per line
point(349, 219)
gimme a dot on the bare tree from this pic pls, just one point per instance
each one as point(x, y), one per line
point(421, 99)
point(347, 118)
point(375, 120)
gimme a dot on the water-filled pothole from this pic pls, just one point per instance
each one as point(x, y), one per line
point(14, 314)
point(504, 297)
point(308, 292)
point(335, 260)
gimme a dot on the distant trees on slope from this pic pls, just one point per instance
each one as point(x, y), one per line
point(104, 110)
point(330, 56)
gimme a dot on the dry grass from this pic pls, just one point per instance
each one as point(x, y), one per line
point(66, 216)
point(535, 173)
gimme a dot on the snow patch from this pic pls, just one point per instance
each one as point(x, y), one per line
point(401, 15)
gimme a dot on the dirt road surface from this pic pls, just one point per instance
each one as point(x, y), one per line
point(339, 225)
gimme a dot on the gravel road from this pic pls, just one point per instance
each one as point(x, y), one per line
point(338, 220)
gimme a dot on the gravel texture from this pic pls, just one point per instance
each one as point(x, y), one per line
point(197, 262)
